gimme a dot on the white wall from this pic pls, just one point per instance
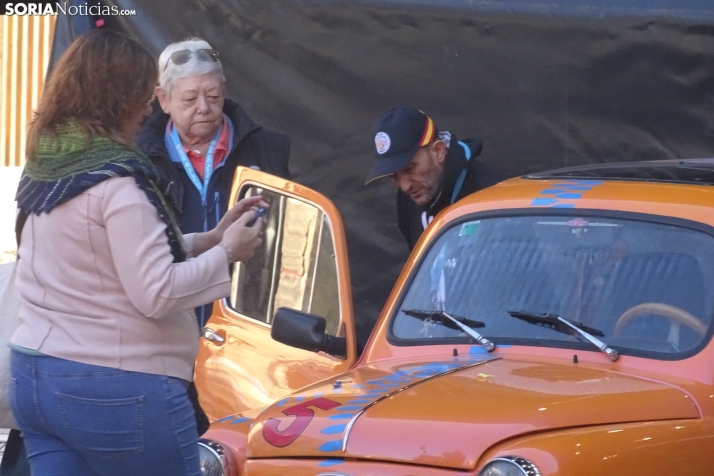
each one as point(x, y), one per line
point(9, 178)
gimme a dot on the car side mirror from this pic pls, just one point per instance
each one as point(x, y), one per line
point(305, 331)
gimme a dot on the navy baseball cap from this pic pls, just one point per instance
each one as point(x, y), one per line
point(398, 134)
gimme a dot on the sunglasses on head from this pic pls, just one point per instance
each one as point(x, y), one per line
point(182, 56)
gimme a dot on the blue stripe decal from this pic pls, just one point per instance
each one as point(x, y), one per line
point(224, 419)
point(559, 195)
point(385, 384)
point(330, 462)
point(331, 446)
point(240, 420)
point(331, 430)
point(340, 416)
point(543, 202)
point(281, 402)
point(477, 349)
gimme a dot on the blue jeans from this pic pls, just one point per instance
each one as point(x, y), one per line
point(86, 420)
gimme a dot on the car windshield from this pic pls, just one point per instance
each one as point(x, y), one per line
point(643, 287)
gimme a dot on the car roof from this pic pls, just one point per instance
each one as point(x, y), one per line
point(669, 188)
point(687, 171)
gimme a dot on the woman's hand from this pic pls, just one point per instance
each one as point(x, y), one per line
point(241, 240)
point(216, 235)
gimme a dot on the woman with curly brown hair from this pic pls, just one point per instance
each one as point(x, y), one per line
point(104, 352)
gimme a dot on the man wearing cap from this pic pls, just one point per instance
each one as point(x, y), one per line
point(431, 168)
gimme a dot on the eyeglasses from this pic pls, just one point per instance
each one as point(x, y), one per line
point(182, 56)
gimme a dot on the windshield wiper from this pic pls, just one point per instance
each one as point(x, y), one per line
point(566, 326)
point(453, 322)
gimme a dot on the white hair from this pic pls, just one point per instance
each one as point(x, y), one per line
point(170, 72)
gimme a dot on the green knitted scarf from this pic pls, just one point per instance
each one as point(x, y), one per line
point(65, 167)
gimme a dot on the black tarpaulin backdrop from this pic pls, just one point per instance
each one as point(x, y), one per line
point(544, 85)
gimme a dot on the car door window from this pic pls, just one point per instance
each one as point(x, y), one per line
point(295, 267)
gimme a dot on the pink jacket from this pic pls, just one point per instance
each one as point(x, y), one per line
point(98, 284)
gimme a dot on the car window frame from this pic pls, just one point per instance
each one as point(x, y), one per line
point(240, 193)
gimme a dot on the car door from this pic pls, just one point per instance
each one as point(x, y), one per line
point(302, 265)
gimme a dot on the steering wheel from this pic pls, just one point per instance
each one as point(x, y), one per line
point(673, 313)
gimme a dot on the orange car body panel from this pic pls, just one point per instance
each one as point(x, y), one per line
point(507, 397)
point(589, 417)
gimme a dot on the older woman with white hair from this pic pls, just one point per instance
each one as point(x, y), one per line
point(198, 137)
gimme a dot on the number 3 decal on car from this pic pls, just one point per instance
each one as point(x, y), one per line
point(303, 414)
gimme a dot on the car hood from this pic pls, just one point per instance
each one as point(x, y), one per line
point(448, 413)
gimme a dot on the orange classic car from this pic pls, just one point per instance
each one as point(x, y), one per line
point(554, 324)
